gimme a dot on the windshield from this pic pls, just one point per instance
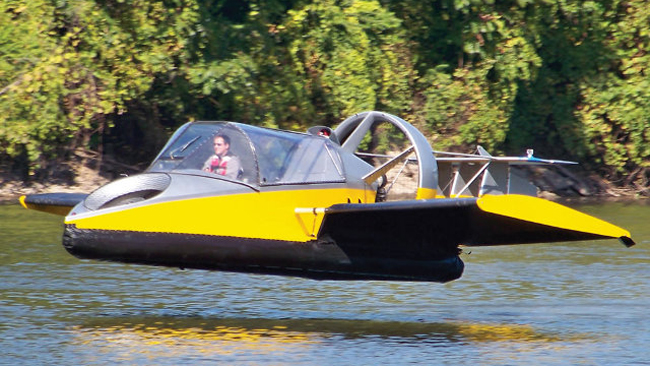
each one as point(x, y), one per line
point(293, 158)
point(250, 154)
point(217, 148)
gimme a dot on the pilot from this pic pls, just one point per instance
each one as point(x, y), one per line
point(223, 162)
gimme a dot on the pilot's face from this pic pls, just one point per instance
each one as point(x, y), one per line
point(220, 146)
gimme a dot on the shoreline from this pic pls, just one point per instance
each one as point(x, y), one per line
point(557, 184)
point(85, 180)
point(11, 189)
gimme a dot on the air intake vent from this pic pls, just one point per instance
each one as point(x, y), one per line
point(127, 190)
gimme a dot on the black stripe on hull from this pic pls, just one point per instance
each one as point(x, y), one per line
point(321, 259)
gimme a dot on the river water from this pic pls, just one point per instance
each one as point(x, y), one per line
point(581, 303)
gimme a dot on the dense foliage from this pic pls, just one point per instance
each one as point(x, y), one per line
point(568, 78)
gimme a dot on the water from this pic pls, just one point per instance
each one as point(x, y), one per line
point(562, 304)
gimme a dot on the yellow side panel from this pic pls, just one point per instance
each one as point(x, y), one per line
point(425, 193)
point(267, 215)
point(548, 213)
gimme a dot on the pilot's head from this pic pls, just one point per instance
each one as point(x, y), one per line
point(221, 145)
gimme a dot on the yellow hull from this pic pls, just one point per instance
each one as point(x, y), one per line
point(291, 215)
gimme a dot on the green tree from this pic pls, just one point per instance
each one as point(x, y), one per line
point(473, 56)
point(614, 108)
point(590, 99)
point(311, 64)
point(67, 66)
point(567, 78)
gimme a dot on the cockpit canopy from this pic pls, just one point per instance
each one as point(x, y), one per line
point(265, 157)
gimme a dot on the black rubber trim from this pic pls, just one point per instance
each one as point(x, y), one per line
point(316, 260)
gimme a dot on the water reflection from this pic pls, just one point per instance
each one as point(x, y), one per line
point(308, 341)
point(214, 335)
point(180, 337)
point(563, 303)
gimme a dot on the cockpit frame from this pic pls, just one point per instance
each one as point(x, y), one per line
point(267, 157)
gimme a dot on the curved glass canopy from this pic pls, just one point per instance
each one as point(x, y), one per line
point(264, 156)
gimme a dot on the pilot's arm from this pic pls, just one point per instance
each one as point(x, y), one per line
point(206, 165)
